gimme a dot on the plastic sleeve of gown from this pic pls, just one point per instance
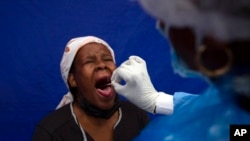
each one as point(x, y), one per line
point(203, 117)
point(165, 103)
point(182, 98)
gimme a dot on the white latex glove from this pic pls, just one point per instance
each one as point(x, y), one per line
point(138, 88)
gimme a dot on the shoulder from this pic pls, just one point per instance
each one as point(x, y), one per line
point(133, 120)
point(130, 110)
point(127, 106)
point(57, 118)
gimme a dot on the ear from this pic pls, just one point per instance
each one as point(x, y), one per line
point(71, 80)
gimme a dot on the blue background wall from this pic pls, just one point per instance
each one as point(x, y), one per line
point(33, 36)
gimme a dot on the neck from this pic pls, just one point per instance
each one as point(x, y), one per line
point(94, 111)
point(98, 128)
point(83, 117)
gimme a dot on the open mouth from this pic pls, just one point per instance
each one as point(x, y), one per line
point(103, 86)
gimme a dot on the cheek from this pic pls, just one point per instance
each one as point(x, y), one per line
point(83, 76)
point(112, 67)
point(183, 41)
point(84, 85)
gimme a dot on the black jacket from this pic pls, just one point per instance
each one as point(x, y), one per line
point(61, 126)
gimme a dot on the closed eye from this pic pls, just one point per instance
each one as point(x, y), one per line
point(107, 58)
point(88, 61)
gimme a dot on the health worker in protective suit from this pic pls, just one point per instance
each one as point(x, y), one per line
point(208, 39)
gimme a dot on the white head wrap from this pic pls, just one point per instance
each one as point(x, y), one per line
point(68, 57)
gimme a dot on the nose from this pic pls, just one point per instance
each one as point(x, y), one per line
point(100, 64)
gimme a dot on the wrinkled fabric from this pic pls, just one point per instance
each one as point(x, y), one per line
point(204, 118)
point(67, 98)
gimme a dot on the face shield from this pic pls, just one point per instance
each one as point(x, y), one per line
point(225, 20)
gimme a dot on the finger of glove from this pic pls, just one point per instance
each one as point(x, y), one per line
point(115, 82)
point(137, 62)
point(133, 61)
point(126, 63)
point(137, 68)
point(120, 89)
point(115, 76)
point(128, 68)
point(137, 59)
point(121, 73)
point(116, 79)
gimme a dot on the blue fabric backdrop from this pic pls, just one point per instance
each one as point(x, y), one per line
point(33, 37)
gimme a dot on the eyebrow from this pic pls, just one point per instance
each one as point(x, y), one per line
point(89, 57)
point(93, 56)
point(106, 54)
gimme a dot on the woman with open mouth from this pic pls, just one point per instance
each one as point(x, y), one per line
point(91, 110)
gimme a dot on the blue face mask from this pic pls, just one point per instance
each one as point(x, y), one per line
point(178, 65)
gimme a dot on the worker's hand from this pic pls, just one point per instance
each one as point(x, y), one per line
point(138, 88)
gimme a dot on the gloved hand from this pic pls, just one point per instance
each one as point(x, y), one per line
point(138, 88)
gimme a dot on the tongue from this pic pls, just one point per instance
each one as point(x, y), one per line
point(105, 92)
